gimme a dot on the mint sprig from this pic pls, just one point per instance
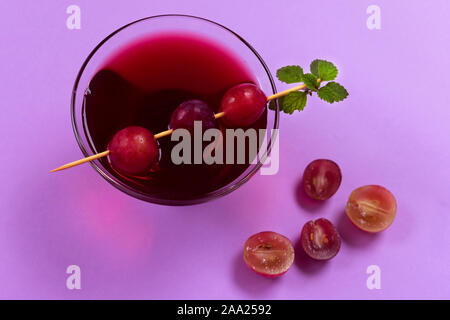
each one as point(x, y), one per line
point(321, 71)
point(310, 81)
point(324, 70)
point(293, 101)
point(290, 74)
point(332, 92)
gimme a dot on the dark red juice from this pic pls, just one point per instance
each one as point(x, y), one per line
point(142, 84)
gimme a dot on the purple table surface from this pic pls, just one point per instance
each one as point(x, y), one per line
point(393, 130)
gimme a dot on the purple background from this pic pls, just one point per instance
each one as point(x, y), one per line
point(393, 130)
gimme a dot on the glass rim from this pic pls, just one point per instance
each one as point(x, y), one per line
point(142, 195)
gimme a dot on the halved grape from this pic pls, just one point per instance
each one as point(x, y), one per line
point(243, 105)
point(371, 208)
point(188, 112)
point(133, 150)
point(320, 239)
point(321, 179)
point(268, 253)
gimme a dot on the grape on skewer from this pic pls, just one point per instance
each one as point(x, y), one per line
point(243, 105)
point(133, 150)
point(186, 113)
point(239, 102)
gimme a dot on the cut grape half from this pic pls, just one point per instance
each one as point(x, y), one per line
point(371, 208)
point(269, 253)
point(320, 239)
point(321, 179)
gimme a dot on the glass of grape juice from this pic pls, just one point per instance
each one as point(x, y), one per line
point(140, 73)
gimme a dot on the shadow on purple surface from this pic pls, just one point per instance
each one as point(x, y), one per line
point(351, 235)
point(248, 280)
point(305, 201)
point(305, 263)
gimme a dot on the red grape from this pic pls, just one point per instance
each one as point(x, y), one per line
point(133, 150)
point(371, 208)
point(268, 253)
point(188, 112)
point(320, 239)
point(243, 105)
point(321, 179)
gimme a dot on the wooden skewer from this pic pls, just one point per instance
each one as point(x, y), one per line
point(170, 131)
point(219, 115)
point(163, 134)
point(75, 163)
point(285, 92)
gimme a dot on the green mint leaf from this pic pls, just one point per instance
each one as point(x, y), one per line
point(332, 92)
point(293, 101)
point(310, 81)
point(323, 69)
point(272, 105)
point(290, 74)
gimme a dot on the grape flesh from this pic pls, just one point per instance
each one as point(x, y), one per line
point(371, 208)
point(320, 239)
point(268, 253)
point(133, 151)
point(243, 104)
point(321, 179)
point(188, 112)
